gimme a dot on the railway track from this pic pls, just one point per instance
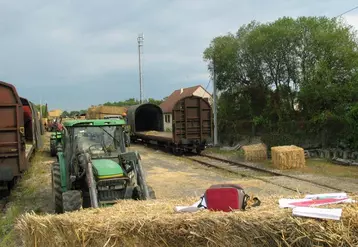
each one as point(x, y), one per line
point(268, 176)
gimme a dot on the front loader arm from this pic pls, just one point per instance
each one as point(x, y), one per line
point(91, 182)
point(134, 159)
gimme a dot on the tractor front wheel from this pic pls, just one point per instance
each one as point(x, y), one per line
point(151, 192)
point(53, 148)
point(139, 195)
point(72, 200)
point(56, 188)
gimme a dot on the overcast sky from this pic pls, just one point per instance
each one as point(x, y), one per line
point(73, 54)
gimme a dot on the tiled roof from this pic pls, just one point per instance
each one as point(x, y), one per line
point(167, 106)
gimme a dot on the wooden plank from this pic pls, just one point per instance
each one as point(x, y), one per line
point(156, 135)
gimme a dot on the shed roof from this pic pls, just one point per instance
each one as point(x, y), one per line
point(169, 103)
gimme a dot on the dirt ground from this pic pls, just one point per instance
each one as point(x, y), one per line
point(318, 170)
point(173, 177)
point(170, 177)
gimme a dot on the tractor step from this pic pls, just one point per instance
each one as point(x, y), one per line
point(106, 203)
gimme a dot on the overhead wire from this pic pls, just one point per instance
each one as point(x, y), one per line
point(206, 88)
point(347, 12)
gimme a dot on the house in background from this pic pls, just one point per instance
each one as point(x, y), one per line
point(168, 105)
point(82, 116)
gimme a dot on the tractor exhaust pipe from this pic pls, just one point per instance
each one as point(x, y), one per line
point(91, 183)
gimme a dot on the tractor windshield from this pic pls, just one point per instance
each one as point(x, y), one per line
point(99, 141)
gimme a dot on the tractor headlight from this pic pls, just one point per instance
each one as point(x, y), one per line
point(111, 187)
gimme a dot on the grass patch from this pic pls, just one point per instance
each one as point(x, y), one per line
point(6, 226)
point(323, 167)
point(313, 166)
point(28, 195)
point(236, 153)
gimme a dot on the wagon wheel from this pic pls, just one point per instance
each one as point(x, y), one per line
point(177, 151)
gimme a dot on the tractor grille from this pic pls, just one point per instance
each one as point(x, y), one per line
point(110, 195)
point(111, 189)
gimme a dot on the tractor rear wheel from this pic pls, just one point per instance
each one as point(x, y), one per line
point(72, 200)
point(56, 188)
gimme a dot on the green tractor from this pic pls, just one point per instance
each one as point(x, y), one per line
point(55, 141)
point(93, 168)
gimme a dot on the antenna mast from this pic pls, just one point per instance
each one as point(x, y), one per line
point(140, 40)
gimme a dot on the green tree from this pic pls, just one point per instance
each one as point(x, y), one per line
point(132, 101)
point(65, 114)
point(154, 101)
point(44, 110)
point(266, 71)
point(128, 102)
point(74, 114)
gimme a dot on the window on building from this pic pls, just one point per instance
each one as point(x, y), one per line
point(167, 118)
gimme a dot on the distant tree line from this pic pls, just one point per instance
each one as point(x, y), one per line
point(73, 114)
point(42, 108)
point(295, 78)
point(128, 102)
point(132, 101)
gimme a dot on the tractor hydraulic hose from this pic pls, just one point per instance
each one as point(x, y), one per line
point(91, 184)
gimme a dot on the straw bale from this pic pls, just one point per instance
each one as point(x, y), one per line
point(151, 132)
point(154, 223)
point(55, 113)
point(287, 157)
point(98, 112)
point(257, 152)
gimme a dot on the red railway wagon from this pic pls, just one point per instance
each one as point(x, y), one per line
point(191, 125)
point(17, 141)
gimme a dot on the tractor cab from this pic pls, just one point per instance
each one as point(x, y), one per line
point(99, 141)
point(94, 168)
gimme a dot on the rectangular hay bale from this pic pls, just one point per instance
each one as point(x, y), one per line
point(98, 112)
point(288, 157)
point(256, 152)
point(154, 223)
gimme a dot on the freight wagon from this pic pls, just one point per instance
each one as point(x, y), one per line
point(191, 125)
point(20, 134)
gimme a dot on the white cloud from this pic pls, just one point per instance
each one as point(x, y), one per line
point(60, 44)
point(102, 63)
point(352, 20)
point(63, 35)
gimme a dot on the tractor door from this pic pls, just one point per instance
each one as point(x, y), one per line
point(119, 135)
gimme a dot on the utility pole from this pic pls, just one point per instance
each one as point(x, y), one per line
point(140, 40)
point(41, 108)
point(215, 107)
